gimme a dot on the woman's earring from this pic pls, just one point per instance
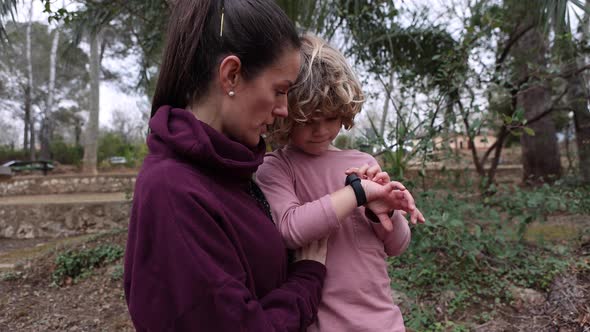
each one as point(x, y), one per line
point(231, 93)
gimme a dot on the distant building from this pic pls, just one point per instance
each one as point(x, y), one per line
point(461, 141)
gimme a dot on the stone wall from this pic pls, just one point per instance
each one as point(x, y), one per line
point(67, 184)
point(56, 220)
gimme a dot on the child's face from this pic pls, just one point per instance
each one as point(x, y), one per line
point(316, 135)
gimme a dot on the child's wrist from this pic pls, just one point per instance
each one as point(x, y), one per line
point(373, 217)
point(356, 184)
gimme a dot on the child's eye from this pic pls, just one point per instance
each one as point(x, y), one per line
point(281, 93)
point(332, 119)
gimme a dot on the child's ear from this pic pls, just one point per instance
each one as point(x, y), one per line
point(230, 71)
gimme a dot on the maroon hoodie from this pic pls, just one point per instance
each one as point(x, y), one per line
point(202, 255)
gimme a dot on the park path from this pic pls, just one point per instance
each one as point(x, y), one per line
point(64, 198)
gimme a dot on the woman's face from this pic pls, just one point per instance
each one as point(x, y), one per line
point(257, 102)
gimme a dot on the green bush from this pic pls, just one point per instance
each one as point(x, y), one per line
point(66, 153)
point(471, 248)
point(8, 153)
point(77, 264)
point(112, 144)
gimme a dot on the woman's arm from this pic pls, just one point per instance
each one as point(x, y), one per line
point(182, 274)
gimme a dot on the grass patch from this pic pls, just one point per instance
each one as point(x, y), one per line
point(10, 276)
point(77, 264)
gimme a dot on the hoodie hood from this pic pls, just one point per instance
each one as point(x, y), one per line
point(178, 133)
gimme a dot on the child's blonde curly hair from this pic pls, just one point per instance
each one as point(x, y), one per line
point(326, 86)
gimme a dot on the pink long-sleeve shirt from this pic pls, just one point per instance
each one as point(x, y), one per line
point(357, 291)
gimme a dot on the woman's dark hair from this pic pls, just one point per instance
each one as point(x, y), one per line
point(257, 31)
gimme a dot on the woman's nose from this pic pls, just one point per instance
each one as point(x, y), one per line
point(280, 111)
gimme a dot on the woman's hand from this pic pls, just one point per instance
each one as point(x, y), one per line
point(315, 251)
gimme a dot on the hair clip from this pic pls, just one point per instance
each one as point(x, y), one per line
point(222, 16)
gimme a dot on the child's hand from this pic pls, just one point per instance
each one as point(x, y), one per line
point(373, 173)
point(415, 217)
point(405, 204)
point(399, 201)
point(380, 199)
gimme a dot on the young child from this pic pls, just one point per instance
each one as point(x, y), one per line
point(299, 182)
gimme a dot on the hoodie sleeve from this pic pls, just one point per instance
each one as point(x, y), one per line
point(182, 274)
point(398, 240)
point(299, 223)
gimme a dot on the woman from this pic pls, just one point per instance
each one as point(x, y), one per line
point(203, 253)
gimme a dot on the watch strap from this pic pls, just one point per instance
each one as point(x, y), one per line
point(355, 182)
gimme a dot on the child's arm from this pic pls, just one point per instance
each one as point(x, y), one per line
point(301, 223)
point(298, 223)
point(398, 240)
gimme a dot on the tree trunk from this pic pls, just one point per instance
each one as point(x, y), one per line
point(46, 127)
point(577, 100)
point(32, 154)
point(578, 87)
point(91, 137)
point(540, 153)
point(29, 117)
point(579, 103)
point(388, 90)
point(77, 131)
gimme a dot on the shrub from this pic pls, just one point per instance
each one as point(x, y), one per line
point(77, 264)
point(66, 153)
point(8, 153)
point(471, 249)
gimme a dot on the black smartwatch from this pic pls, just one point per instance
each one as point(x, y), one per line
point(355, 182)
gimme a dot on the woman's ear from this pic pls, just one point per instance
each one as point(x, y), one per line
point(230, 73)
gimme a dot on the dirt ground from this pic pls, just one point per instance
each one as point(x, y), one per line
point(567, 309)
point(28, 301)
